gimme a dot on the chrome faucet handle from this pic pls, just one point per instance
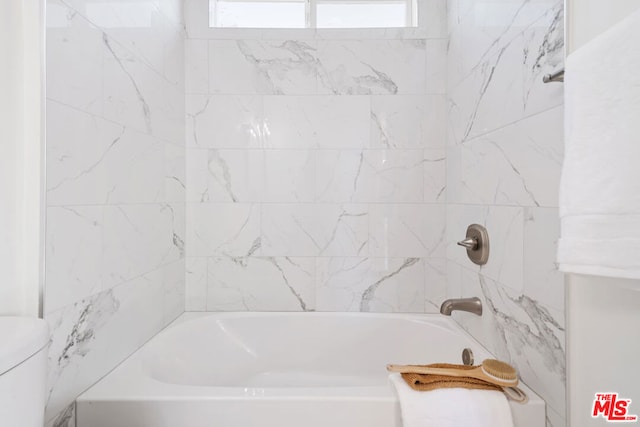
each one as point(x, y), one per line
point(469, 243)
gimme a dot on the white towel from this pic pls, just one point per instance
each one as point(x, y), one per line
point(451, 407)
point(600, 185)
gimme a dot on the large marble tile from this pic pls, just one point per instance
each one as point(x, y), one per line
point(196, 63)
point(479, 30)
point(118, 14)
point(65, 418)
point(340, 283)
point(454, 186)
point(491, 96)
point(195, 283)
point(522, 331)
point(434, 18)
point(220, 175)
point(436, 66)
point(300, 122)
point(289, 176)
point(143, 28)
point(454, 279)
point(223, 229)
point(408, 121)
point(360, 67)
point(542, 280)
point(504, 225)
point(407, 230)
point(517, 165)
point(93, 335)
point(73, 151)
point(314, 230)
point(116, 244)
point(460, 55)
point(140, 238)
point(94, 161)
point(174, 281)
point(137, 96)
point(485, 328)
point(224, 121)
point(196, 20)
point(395, 285)
point(544, 54)
point(338, 175)
point(505, 81)
point(435, 175)
point(263, 67)
point(390, 176)
point(459, 217)
point(175, 175)
point(173, 10)
point(71, 39)
point(505, 265)
point(74, 246)
point(198, 175)
point(393, 33)
point(554, 419)
point(435, 284)
point(140, 27)
point(174, 52)
point(370, 284)
point(260, 284)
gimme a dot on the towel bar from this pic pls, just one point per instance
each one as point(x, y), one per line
point(558, 76)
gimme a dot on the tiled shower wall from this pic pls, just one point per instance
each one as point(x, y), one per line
point(504, 156)
point(315, 177)
point(315, 169)
point(115, 186)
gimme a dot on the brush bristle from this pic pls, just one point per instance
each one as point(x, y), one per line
point(500, 370)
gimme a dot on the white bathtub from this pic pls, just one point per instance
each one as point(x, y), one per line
point(277, 369)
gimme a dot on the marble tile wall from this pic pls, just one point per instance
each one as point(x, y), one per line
point(504, 154)
point(316, 168)
point(115, 186)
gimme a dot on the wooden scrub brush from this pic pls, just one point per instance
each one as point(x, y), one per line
point(492, 371)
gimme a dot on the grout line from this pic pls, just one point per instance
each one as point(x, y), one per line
point(126, 126)
point(501, 127)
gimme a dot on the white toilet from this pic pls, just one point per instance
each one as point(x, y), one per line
point(23, 371)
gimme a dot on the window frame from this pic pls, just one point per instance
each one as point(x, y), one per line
point(311, 12)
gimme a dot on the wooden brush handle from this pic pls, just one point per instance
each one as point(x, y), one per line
point(475, 372)
point(415, 369)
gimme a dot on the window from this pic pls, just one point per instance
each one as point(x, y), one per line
point(312, 13)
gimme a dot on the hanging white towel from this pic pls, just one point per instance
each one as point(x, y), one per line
point(451, 407)
point(600, 184)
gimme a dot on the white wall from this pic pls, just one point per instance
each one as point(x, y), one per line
point(602, 312)
point(21, 44)
point(588, 18)
point(603, 344)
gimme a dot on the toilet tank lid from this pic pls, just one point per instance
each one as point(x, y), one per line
point(20, 338)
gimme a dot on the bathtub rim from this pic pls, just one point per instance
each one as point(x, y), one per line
point(115, 386)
